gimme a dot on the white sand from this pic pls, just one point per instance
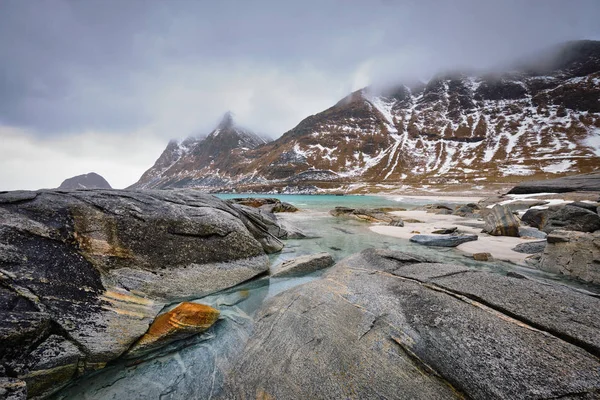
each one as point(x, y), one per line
point(499, 246)
point(434, 198)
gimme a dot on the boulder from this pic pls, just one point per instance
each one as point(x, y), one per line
point(443, 240)
point(582, 204)
point(500, 221)
point(265, 227)
point(379, 215)
point(181, 322)
point(437, 208)
point(574, 254)
point(445, 231)
point(303, 265)
point(467, 210)
point(535, 217)
point(570, 218)
point(271, 205)
point(396, 222)
point(90, 270)
point(530, 232)
point(482, 257)
point(384, 324)
point(530, 247)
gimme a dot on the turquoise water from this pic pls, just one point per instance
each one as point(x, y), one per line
point(327, 202)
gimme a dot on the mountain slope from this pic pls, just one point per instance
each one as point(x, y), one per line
point(86, 181)
point(204, 161)
point(541, 119)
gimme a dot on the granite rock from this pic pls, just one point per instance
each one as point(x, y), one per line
point(500, 221)
point(384, 324)
point(572, 253)
point(303, 265)
point(94, 267)
point(443, 240)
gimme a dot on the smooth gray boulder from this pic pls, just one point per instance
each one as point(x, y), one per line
point(443, 240)
point(95, 267)
point(528, 231)
point(530, 247)
point(500, 221)
point(303, 265)
point(569, 217)
point(574, 254)
point(381, 324)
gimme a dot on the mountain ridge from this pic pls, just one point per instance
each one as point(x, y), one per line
point(477, 128)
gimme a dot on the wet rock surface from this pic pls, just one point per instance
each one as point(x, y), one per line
point(183, 321)
point(384, 324)
point(443, 240)
point(95, 267)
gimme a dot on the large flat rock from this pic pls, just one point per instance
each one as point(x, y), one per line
point(382, 324)
point(95, 267)
point(574, 183)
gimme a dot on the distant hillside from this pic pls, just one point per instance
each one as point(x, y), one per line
point(538, 120)
point(86, 181)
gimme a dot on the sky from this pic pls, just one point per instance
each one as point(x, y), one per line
point(103, 85)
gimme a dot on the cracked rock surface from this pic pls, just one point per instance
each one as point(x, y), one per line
point(84, 273)
point(383, 324)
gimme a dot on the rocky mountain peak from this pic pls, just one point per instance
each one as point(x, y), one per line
point(461, 126)
point(86, 181)
point(227, 122)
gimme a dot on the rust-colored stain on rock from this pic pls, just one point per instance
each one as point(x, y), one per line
point(185, 320)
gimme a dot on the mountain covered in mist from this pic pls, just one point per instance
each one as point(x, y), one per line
point(537, 120)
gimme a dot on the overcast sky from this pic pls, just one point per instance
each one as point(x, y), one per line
point(102, 85)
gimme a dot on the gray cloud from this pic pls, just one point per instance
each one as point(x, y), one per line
point(172, 68)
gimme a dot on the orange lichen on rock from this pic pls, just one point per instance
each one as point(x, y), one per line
point(185, 320)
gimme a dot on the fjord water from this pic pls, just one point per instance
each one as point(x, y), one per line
point(195, 368)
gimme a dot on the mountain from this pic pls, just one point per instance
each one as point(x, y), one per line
point(539, 119)
point(85, 181)
point(204, 161)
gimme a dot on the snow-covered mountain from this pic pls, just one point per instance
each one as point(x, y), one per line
point(538, 120)
point(203, 161)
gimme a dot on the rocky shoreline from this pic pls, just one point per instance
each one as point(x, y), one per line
point(97, 278)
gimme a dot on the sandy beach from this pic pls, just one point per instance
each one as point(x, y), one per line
point(499, 246)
